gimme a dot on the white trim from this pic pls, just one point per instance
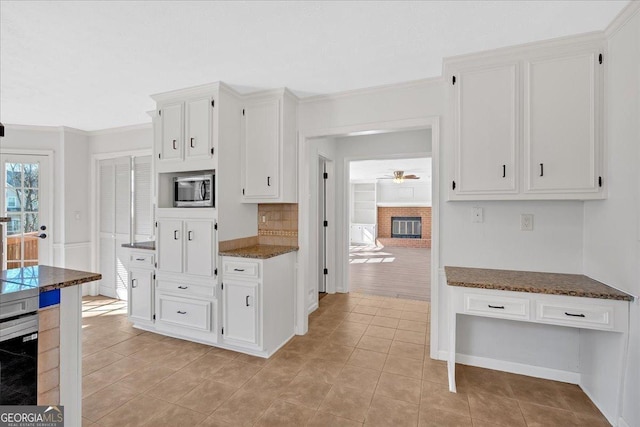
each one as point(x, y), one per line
point(122, 129)
point(388, 126)
point(34, 128)
point(71, 354)
point(622, 422)
point(593, 400)
point(403, 205)
point(514, 367)
point(368, 90)
point(313, 307)
point(78, 245)
point(622, 18)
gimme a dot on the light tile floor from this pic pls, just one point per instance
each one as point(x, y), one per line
point(365, 361)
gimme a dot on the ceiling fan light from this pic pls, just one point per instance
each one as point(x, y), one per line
point(398, 177)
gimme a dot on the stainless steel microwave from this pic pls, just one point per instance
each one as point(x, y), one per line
point(196, 191)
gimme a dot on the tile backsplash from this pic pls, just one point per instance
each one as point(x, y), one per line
point(278, 224)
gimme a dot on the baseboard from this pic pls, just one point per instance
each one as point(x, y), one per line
point(313, 307)
point(622, 423)
point(609, 417)
point(515, 367)
point(107, 292)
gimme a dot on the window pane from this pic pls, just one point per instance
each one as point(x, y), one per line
point(14, 226)
point(31, 223)
point(30, 201)
point(31, 175)
point(14, 175)
point(12, 200)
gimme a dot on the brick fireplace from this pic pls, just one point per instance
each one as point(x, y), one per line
point(385, 215)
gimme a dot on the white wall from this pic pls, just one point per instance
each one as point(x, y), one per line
point(408, 192)
point(612, 226)
point(129, 138)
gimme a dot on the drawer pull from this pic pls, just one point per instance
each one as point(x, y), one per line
point(574, 315)
point(501, 307)
point(182, 287)
point(238, 269)
point(140, 259)
point(247, 300)
point(181, 312)
point(175, 234)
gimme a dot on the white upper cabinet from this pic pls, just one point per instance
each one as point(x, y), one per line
point(261, 146)
point(527, 122)
point(560, 123)
point(198, 119)
point(172, 132)
point(269, 148)
point(486, 126)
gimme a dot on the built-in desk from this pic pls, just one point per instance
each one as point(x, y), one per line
point(570, 300)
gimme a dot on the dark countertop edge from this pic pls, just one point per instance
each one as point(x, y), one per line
point(249, 251)
point(546, 291)
point(4, 219)
point(147, 246)
point(68, 283)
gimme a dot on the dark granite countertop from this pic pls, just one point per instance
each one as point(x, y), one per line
point(260, 251)
point(148, 245)
point(44, 277)
point(577, 285)
point(4, 219)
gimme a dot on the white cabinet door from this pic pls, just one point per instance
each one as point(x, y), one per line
point(261, 149)
point(560, 127)
point(199, 255)
point(170, 245)
point(240, 301)
point(140, 294)
point(357, 235)
point(369, 234)
point(172, 132)
point(486, 127)
point(198, 128)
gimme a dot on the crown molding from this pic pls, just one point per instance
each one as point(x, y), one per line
point(623, 17)
point(120, 129)
point(373, 89)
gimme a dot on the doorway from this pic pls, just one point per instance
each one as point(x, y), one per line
point(325, 225)
point(26, 201)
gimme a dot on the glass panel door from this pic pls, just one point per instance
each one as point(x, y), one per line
point(23, 177)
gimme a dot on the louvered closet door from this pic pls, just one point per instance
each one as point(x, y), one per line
point(142, 199)
point(115, 224)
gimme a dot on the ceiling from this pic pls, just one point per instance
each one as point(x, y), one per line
point(369, 170)
point(93, 65)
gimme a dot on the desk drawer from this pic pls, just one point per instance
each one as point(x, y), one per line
point(496, 306)
point(246, 269)
point(185, 312)
point(576, 315)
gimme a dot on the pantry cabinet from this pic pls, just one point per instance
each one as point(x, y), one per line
point(186, 246)
point(269, 153)
point(527, 122)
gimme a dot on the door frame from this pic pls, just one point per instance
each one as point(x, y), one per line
point(305, 274)
point(50, 155)
point(93, 287)
point(329, 163)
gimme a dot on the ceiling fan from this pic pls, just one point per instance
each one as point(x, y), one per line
point(399, 176)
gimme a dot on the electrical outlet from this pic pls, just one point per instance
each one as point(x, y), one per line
point(477, 215)
point(526, 222)
point(264, 219)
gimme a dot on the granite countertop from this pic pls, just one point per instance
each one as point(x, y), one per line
point(260, 251)
point(576, 285)
point(148, 245)
point(44, 277)
point(4, 219)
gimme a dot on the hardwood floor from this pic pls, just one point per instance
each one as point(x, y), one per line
point(391, 272)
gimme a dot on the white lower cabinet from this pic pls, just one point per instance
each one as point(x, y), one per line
point(240, 311)
point(184, 312)
point(140, 295)
point(257, 303)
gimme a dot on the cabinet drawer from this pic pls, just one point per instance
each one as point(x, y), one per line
point(141, 260)
point(247, 269)
point(186, 289)
point(580, 316)
point(184, 312)
point(496, 306)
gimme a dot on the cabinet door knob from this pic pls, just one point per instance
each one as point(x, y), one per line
point(134, 283)
point(541, 169)
point(174, 145)
point(247, 300)
point(175, 234)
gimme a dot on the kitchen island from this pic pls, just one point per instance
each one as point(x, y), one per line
point(45, 281)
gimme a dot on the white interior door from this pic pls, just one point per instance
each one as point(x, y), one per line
point(27, 202)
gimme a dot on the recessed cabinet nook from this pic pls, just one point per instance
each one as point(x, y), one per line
point(247, 143)
point(527, 122)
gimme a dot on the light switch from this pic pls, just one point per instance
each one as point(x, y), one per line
point(526, 222)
